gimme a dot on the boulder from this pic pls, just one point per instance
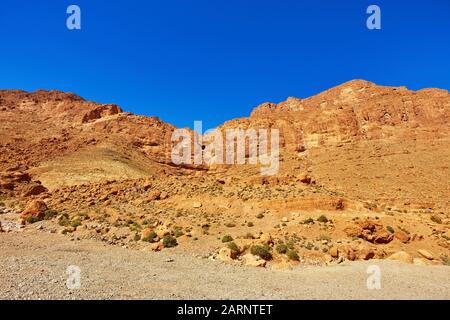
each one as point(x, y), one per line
point(334, 252)
point(155, 195)
point(402, 236)
point(35, 208)
point(265, 238)
point(162, 231)
point(366, 254)
point(253, 261)
point(197, 205)
point(382, 237)
point(304, 178)
point(401, 256)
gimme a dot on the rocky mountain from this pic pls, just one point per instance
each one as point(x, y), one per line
point(364, 172)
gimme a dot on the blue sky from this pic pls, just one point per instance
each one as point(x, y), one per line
point(216, 60)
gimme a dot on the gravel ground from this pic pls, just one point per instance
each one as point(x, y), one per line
point(33, 265)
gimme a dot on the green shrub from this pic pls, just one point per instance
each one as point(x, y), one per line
point(75, 223)
point(64, 220)
point(178, 232)
point(151, 237)
point(322, 219)
point(446, 260)
point(169, 241)
point(281, 248)
point(233, 247)
point(33, 219)
point(390, 229)
point(137, 237)
point(261, 251)
point(290, 244)
point(227, 238)
point(293, 255)
point(250, 224)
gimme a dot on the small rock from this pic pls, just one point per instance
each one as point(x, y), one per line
point(197, 205)
point(156, 246)
point(155, 195)
point(285, 219)
point(426, 254)
point(334, 252)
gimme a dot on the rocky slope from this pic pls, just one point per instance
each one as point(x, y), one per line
point(363, 174)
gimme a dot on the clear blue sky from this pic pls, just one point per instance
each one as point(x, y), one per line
point(214, 60)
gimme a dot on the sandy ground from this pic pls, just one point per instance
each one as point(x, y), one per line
point(33, 265)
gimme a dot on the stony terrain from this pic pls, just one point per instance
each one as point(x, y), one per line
point(364, 174)
point(35, 264)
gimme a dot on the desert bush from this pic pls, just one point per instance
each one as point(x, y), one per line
point(446, 260)
point(233, 247)
point(137, 237)
point(75, 222)
point(308, 221)
point(293, 255)
point(178, 232)
point(33, 219)
point(261, 251)
point(250, 224)
point(260, 216)
point(169, 241)
point(227, 238)
point(322, 219)
point(64, 220)
point(281, 248)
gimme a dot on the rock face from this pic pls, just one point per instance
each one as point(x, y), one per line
point(34, 190)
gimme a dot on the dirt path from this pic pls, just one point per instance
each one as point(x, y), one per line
point(33, 265)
